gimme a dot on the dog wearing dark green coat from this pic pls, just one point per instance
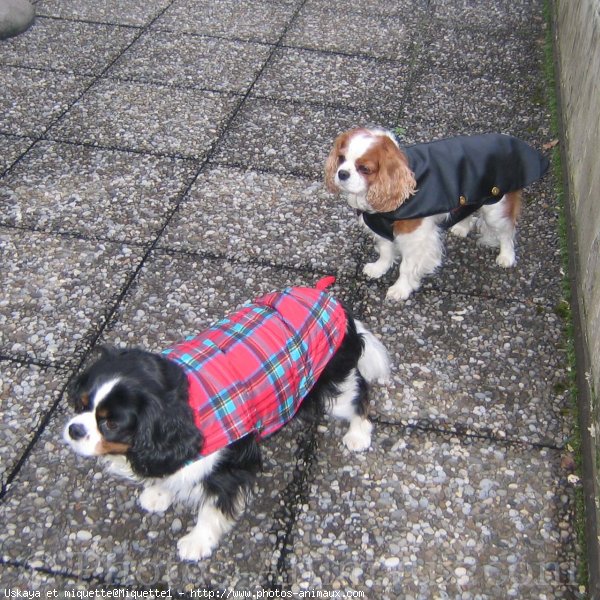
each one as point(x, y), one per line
point(407, 196)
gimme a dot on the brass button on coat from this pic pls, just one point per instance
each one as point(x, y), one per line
point(495, 191)
point(462, 200)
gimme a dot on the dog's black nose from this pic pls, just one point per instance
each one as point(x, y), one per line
point(343, 175)
point(77, 431)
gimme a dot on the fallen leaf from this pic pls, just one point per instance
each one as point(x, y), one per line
point(567, 462)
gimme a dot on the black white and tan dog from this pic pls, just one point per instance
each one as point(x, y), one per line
point(186, 423)
point(406, 196)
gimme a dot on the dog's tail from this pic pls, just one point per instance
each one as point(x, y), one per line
point(374, 362)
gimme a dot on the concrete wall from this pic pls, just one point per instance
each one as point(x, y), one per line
point(578, 42)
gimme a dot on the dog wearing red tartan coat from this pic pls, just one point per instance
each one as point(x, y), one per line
point(187, 422)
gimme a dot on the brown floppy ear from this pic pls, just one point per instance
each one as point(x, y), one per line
point(331, 164)
point(394, 182)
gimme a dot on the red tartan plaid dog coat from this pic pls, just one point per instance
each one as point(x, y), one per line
point(249, 372)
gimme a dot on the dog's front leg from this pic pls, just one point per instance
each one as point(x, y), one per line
point(155, 498)
point(422, 252)
point(211, 526)
point(387, 256)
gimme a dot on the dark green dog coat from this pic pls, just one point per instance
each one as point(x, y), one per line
point(461, 174)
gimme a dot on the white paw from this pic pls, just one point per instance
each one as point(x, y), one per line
point(461, 229)
point(399, 291)
point(506, 260)
point(155, 499)
point(375, 270)
point(196, 545)
point(358, 437)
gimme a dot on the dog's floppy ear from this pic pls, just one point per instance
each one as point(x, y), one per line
point(164, 441)
point(394, 182)
point(166, 436)
point(332, 162)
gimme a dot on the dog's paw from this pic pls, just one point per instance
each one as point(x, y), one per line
point(461, 229)
point(155, 499)
point(358, 437)
point(399, 291)
point(506, 260)
point(375, 270)
point(196, 545)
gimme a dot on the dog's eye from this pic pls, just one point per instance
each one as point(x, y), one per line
point(364, 170)
point(110, 424)
point(341, 159)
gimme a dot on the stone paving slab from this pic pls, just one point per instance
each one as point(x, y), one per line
point(423, 516)
point(30, 580)
point(286, 220)
point(123, 12)
point(147, 117)
point(348, 81)
point(80, 48)
point(41, 272)
point(197, 61)
point(461, 80)
point(427, 515)
point(485, 53)
point(31, 100)
point(493, 15)
point(10, 149)
point(27, 393)
point(287, 136)
point(254, 20)
point(86, 191)
point(441, 115)
point(385, 8)
point(349, 32)
point(470, 364)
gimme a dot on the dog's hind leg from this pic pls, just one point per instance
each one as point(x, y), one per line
point(464, 227)
point(499, 227)
point(350, 404)
point(374, 361)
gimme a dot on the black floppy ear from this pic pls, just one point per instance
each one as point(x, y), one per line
point(166, 438)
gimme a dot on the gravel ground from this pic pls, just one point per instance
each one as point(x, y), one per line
point(161, 163)
point(113, 195)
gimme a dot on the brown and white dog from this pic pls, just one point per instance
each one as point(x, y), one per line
point(408, 196)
